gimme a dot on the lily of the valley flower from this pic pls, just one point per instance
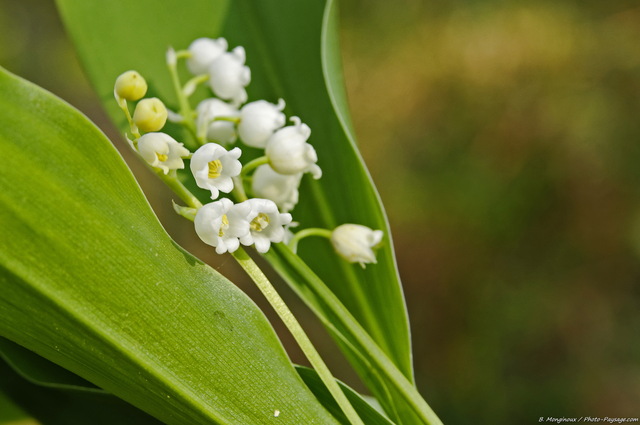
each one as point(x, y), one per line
point(131, 86)
point(228, 76)
point(259, 120)
point(354, 243)
point(150, 114)
point(220, 130)
point(162, 151)
point(280, 188)
point(221, 224)
point(289, 153)
point(266, 224)
point(214, 168)
point(203, 52)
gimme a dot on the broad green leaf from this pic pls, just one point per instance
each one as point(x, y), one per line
point(292, 49)
point(33, 374)
point(90, 281)
point(55, 406)
point(40, 371)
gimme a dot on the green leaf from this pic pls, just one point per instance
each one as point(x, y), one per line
point(288, 45)
point(40, 371)
point(37, 382)
point(52, 405)
point(367, 413)
point(90, 281)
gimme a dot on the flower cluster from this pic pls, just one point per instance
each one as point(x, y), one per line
point(260, 192)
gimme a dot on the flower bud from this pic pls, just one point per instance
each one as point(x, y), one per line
point(289, 153)
point(130, 86)
point(150, 114)
point(354, 243)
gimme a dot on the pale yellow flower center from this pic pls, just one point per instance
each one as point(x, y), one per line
point(215, 169)
point(224, 225)
point(162, 157)
point(259, 223)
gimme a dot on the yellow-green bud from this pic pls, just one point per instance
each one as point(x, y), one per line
point(131, 86)
point(150, 114)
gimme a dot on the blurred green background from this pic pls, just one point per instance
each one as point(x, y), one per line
point(504, 138)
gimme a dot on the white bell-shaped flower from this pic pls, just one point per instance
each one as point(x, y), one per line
point(281, 189)
point(162, 151)
point(354, 243)
point(228, 76)
point(203, 52)
point(220, 131)
point(221, 224)
point(266, 224)
point(259, 120)
point(289, 153)
point(214, 168)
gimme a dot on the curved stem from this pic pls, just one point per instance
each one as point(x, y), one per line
point(298, 333)
point(176, 185)
point(313, 231)
point(193, 83)
point(252, 165)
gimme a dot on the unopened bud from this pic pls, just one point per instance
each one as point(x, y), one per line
point(130, 86)
point(150, 114)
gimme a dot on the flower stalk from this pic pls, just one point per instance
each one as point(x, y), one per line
point(278, 304)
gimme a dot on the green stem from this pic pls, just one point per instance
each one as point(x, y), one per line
point(380, 361)
point(185, 108)
point(235, 120)
point(193, 83)
point(238, 190)
point(313, 231)
point(252, 165)
point(176, 185)
point(134, 128)
point(298, 333)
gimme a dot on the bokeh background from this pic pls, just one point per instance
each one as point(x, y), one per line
point(504, 138)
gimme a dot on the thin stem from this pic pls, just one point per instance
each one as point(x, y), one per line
point(176, 185)
point(238, 190)
point(313, 231)
point(122, 103)
point(376, 355)
point(235, 120)
point(193, 83)
point(183, 102)
point(252, 165)
point(298, 333)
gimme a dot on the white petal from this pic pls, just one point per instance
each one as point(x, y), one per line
point(262, 243)
point(203, 52)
